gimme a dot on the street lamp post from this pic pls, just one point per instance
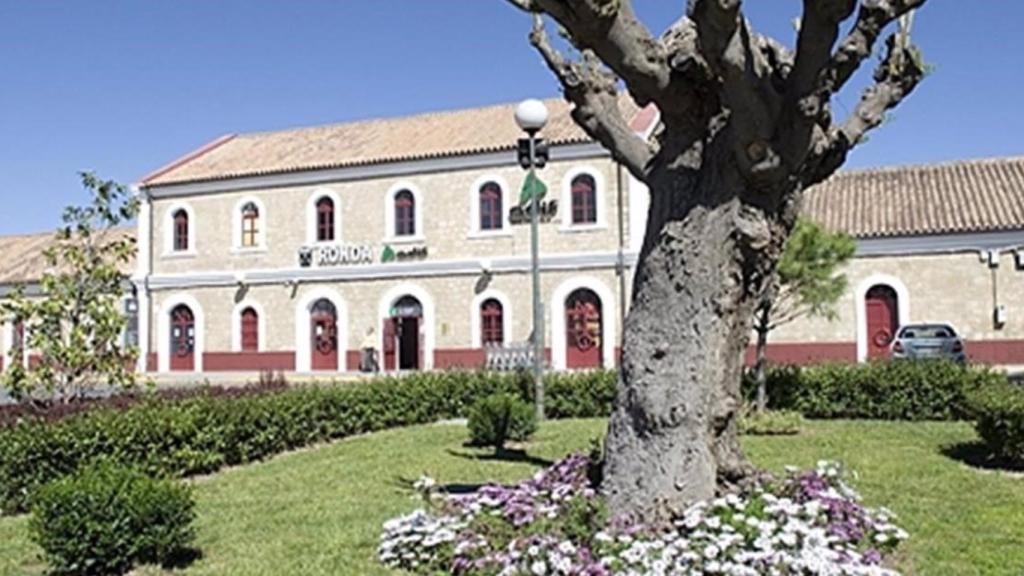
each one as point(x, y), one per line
point(531, 116)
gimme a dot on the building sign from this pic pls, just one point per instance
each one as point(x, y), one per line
point(355, 254)
point(521, 214)
point(389, 254)
point(336, 255)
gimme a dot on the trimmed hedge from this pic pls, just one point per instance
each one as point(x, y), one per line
point(202, 433)
point(892, 390)
point(105, 519)
point(999, 413)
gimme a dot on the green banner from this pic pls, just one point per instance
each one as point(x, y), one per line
point(533, 187)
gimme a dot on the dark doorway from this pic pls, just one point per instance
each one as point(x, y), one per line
point(402, 343)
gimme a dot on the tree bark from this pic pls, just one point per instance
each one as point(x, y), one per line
point(672, 438)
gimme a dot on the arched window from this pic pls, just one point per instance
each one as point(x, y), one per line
point(584, 200)
point(405, 214)
point(491, 322)
point(250, 225)
point(325, 220)
point(250, 326)
point(181, 231)
point(490, 207)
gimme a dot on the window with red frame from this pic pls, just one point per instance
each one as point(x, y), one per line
point(490, 207)
point(325, 220)
point(492, 322)
point(584, 200)
point(405, 214)
point(250, 225)
point(181, 231)
point(250, 330)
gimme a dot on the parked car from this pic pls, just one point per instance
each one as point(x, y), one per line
point(928, 341)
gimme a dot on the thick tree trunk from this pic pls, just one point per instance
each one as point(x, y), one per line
point(672, 438)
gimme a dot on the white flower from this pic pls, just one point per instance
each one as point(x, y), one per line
point(424, 483)
point(539, 568)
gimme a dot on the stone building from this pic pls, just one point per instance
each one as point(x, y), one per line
point(284, 250)
point(289, 250)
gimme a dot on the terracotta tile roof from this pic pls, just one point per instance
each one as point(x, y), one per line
point(433, 135)
point(955, 197)
point(22, 260)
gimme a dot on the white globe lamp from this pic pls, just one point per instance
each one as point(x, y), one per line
point(531, 115)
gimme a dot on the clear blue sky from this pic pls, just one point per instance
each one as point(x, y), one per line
point(124, 86)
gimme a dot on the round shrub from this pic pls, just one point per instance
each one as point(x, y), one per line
point(1000, 421)
point(496, 419)
point(105, 519)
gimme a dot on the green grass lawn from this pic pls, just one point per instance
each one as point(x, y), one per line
point(319, 511)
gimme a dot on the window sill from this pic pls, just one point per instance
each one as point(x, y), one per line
point(321, 243)
point(582, 228)
point(485, 234)
point(248, 250)
point(178, 255)
point(405, 240)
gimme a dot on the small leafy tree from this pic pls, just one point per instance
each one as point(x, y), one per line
point(76, 321)
point(808, 283)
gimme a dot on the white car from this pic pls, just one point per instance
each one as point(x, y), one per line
point(933, 340)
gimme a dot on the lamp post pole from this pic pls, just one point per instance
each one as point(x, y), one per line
point(531, 116)
point(538, 305)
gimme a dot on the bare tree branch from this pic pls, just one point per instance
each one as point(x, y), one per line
point(806, 112)
point(594, 92)
point(611, 29)
point(895, 78)
point(872, 19)
point(747, 65)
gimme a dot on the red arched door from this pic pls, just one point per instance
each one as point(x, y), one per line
point(882, 306)
point(584, 330)
point(183, 339)
point(324, 336)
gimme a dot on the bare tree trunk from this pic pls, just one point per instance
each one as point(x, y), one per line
point(672, 438)
point(760, 364)
point(745, 125)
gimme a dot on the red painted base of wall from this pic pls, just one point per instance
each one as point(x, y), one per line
point(805, 353)
point(455, 358)
point(248, 361)
point(1003, 352)
point(996, 351)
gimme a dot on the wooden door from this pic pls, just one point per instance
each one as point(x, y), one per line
point(882, 311)
point(389, 343)
point(324, 336)
point(183, 339)
point(584, 330)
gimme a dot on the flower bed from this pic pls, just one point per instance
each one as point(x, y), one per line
point(555, 523)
